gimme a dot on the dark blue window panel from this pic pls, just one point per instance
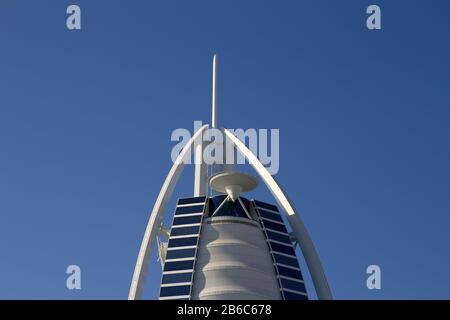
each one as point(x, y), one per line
point(270, 215)
point(266, 205)
point(191, 200)
point(187, 220)
point(189, 209)
point(182, 253)
point(179, 265)
point(274, 226)
point(183, 242)
point(280, 248)
point(294, 296)
point(175, 291)
point(288, 272)
point(246, 204)
point(214, 202)
point(293, 285)
point(278, 237)
point(285, 260)
point(184, 231)
point(177, 277)
point(229, 208)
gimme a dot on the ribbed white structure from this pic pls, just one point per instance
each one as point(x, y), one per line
point(233, 262)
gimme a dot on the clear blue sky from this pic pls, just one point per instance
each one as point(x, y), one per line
point(86, 118)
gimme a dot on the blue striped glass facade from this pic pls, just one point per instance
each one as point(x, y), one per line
point(176, 282)
point(290, 279)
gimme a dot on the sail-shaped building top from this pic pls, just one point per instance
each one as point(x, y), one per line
point(221, 244)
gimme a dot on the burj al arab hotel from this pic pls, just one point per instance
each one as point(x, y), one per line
point(222, 244)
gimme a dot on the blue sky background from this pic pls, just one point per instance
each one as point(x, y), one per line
point(86, 118)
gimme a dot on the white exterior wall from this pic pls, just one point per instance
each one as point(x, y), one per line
point(234, 262)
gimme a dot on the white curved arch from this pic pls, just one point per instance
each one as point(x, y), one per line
point(312, 259)
point(140, 270)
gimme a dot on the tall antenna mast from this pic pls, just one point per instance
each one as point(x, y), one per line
point(201, 169)
point(214, 106)
point(214, 93)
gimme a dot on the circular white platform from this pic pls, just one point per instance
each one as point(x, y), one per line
point(233, 183)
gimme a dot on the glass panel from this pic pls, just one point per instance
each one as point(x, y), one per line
point(270, 215)
point(183, 242)
point(179, 265)
point(288, 272)
point(191, 200)
point(189, 209)
point(281, 248)
point(184, 231)
point(175, 291)
point(214, 202)
point(293, 285)
point(230, 208)
point(187, 220)
point(266, 205)
point(285, 260)
point(246, 203)
point(274, 226)
point(294, 296)
point(177, 277)
point(278, 237)
point(178, 254)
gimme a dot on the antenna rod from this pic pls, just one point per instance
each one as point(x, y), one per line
point(214, 93)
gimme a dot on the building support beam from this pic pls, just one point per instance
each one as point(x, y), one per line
point(201, 171)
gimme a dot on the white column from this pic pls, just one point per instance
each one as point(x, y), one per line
point(201, 172)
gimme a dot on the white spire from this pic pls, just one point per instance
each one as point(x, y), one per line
point(214, 93)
